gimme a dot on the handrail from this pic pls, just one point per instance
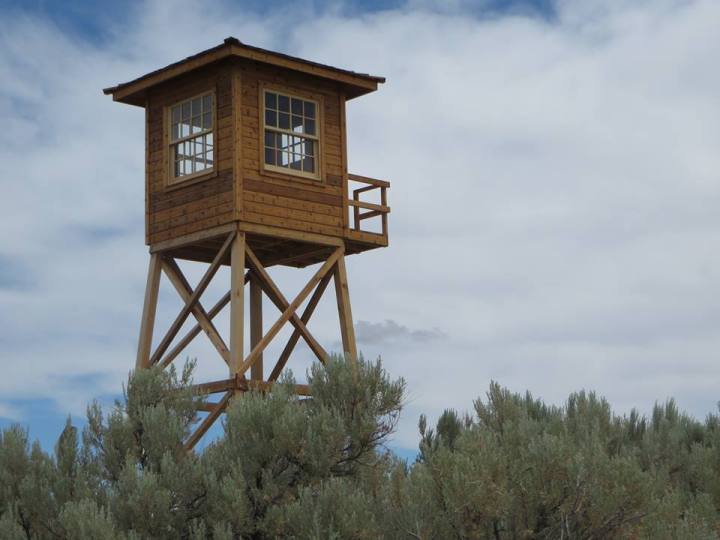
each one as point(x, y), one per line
point(373, 210)
point(369, 206)
point(367, 180)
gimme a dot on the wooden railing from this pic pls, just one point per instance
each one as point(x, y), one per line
point(380, 210)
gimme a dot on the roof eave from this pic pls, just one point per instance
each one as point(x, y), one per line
point(133, 92)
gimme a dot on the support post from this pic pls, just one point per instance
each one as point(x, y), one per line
point(343, 302)
point(237, 302)
point(148, 315)
point(256, 326)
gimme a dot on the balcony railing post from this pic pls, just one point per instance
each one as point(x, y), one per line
point(384, 217)
point(356, 211)
point(373, 210)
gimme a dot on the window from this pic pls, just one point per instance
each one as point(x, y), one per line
point(192, 149)
point(291, 134)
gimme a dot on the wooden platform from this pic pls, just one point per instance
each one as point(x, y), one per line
point(273, 245)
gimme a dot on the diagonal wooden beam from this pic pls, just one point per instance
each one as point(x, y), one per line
point(295, 337)
point(292, 307)
point(202, 285)
point(176, 277)
point(192, 334)
point(277, 298)
point(208, 406)
point(194, 331)
point(207, 422)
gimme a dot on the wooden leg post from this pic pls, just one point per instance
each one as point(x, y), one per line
point(148, 314)
point(237, 302)
point(343, 303)
point(256, 326)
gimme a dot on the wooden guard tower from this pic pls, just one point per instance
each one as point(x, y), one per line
point(246, 166)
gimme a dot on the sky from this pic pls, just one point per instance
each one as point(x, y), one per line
point(555, 185)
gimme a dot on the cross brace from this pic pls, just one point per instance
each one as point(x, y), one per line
point(245, 267)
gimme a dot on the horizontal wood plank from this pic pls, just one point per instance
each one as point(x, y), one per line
point(287, 202)
point(300, 193)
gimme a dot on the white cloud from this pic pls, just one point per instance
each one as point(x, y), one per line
point(555, 186)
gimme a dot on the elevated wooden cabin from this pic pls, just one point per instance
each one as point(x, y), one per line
point(238, 136)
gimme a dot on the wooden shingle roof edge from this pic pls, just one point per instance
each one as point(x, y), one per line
point(133, 92)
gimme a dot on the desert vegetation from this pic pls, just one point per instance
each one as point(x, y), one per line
point(319, 468)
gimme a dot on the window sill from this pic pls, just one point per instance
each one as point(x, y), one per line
point(190, 180)
point(290, 175)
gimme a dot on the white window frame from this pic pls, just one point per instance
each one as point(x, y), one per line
point(171, 143)
point(316, 138)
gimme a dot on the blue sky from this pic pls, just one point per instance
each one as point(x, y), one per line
point(97, 21)
point(561, 155)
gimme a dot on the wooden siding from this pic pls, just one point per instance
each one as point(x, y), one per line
point(239, 189)
point(200, 203)
point(286, 200)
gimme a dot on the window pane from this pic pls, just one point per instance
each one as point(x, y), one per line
point(271, 100)
point(283, 103)
point(196, 124)
point(309, 148)
point(310, 127)
point(297, 124)
point(283, 141)
point(284, 121)
point(270, 156)
point(269, 138)
point(297, 106)
point(271, 118)
point(296, 163)
point(189, 118)
point(297, 145)
point(309, 109)
point(309, 164)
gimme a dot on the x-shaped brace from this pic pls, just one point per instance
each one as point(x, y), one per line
point(288, 309)
point(276, 297)
point(191, 304)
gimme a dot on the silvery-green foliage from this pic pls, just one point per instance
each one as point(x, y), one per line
point(10, 525)
point(522, 469)
point(291, 467)
point(85, 519)
point(277, 445)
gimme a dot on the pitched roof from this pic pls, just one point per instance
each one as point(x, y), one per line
point(133, 92)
